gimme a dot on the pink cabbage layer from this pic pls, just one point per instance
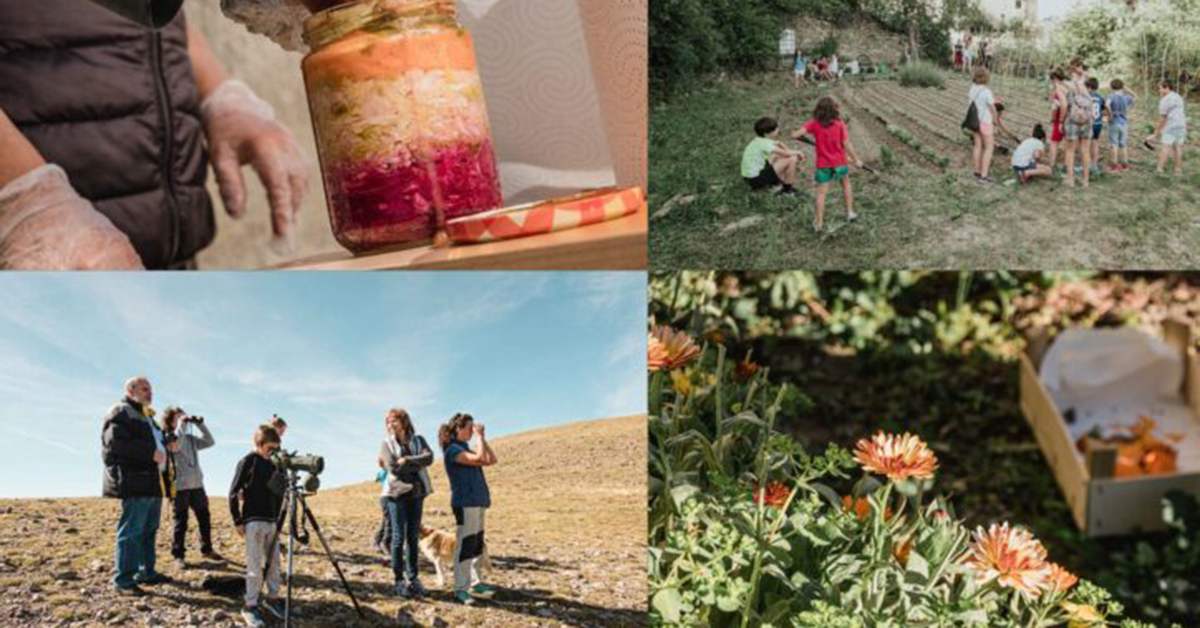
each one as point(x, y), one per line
point(379, 203)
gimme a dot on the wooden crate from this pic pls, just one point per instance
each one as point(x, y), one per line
point(1103, 505)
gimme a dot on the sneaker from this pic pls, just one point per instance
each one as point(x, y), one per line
point(211, 555)
point(402, 590)
point(129, 591)
point(986, 180)
point(274, 607)
point(462, 598)
point(482, 590)
point(852, 217)
point(153, 579)
point(252, 618)
point(789, 191)
point(416, 589)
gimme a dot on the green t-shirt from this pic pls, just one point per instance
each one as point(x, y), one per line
point(757, 156)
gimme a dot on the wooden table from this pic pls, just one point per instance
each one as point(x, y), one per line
point(613, 245)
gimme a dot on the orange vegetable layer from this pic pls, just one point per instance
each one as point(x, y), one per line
point(365, 56)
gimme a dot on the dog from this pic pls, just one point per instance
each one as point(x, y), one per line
point(438, 547)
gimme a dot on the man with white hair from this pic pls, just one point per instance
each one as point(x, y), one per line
point(136, 471)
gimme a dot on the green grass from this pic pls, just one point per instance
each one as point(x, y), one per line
point(910, 216)
point(921, 75)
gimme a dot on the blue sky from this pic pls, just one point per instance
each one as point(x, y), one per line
point(330, 352)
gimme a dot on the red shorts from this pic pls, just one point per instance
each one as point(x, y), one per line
point(1057, 134)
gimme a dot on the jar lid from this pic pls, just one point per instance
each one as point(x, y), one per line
point(340, 20)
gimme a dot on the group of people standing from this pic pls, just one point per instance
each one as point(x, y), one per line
point(404, 457)
point(970, 52)
point(1078, 113)
point(146, 461)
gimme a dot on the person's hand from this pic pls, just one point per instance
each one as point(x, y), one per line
point(241, 129)
point(173, 447)
point(241, 530)
point(159, 457)
point(46, 225)
point(859, 163)
point(479, 429)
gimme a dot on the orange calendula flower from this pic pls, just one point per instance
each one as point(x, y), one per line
point(861, 507)
point(656, 353)
point(1011, 556)
point(1061, 579)
point(900, 552)
point(775, 494)
point(897, 457)
point(681, 382)
point(1082, 615)
point(671, 349)
point(745, 370)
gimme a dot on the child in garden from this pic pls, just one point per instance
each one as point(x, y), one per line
point(799, 68)
point(766, 162)
point(832, 140)
point(1079, 120)
point(1098, 112)
point(1171, 128)
point(1117, 108)
point(1058, 110)
point(985, 138)
point(1025, 158)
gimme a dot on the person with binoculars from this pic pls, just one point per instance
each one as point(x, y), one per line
point(189, 481)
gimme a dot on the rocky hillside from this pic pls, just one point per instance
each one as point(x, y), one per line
point(566, 534)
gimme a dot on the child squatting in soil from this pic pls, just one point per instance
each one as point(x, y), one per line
point(832, 139)
point(766, 162)
point(1025, 157)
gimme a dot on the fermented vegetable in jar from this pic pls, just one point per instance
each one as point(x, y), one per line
point(400, 120)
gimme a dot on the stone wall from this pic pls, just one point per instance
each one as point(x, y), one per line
point(861, 40)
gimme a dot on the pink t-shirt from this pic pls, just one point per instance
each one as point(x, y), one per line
point(831, 142)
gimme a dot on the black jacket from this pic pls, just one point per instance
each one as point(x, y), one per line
point(117, 106)
point(252, 483)
point(127, 446)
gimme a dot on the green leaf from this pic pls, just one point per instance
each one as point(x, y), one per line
point(668, 603)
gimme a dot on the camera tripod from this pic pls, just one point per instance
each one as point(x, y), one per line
point(293, 504)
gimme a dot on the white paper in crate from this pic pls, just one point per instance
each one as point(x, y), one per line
point(1110, 377)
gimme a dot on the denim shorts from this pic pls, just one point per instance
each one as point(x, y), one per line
point(1118, 134)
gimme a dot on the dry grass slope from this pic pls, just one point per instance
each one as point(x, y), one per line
point(567, 535)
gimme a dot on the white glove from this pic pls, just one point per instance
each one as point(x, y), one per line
point(241, 129)
point(46, 225)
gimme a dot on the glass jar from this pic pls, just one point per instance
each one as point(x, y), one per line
point(400, 121)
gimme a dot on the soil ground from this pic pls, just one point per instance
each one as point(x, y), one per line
point(566, 535)
point(914, 213)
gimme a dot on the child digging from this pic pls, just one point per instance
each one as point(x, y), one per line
point(832, 140)
point(1025, 157)
point(766, 162)
point(1118, 105)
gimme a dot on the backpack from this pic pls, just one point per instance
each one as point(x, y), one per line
point(971, 122)
point(1079, 108)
